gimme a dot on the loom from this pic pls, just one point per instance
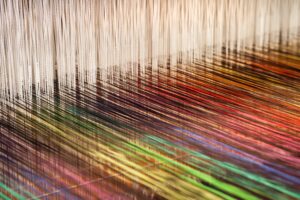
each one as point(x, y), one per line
point(149, 99)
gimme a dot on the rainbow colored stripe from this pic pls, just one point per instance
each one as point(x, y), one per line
point(227, 128)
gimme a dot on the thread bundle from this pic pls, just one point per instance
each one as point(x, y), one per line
point(222, 130)
point(156, 99)
point(69, 40)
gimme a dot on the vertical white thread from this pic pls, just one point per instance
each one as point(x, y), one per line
point(38, 38)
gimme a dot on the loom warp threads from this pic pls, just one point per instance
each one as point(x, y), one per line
point(154, 99)
point(225, 129)
point(69, 40)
